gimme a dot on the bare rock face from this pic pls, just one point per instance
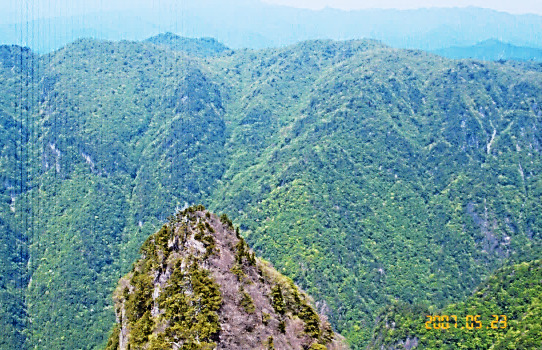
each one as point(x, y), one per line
point(199, 286)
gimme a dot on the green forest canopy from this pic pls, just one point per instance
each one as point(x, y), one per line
point(364, 173)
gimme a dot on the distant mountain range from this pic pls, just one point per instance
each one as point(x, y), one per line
point(492, 50)
point(254, 24)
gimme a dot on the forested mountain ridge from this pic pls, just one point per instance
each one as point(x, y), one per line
point(364, 173)
point(203, 47)
point(198, 285)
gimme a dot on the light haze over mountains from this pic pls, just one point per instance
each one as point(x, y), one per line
point(253, 24)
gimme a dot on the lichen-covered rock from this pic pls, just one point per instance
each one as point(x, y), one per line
point(199, 286)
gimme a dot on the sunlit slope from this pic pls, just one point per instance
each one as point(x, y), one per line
point(364, 173)
point(505, 312)
point(390, 174)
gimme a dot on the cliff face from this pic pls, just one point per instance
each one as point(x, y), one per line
point(199, 286)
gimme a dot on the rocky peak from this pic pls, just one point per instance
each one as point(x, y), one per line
point(199, 286)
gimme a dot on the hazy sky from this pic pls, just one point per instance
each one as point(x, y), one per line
point(512, 6)
point(17, 10)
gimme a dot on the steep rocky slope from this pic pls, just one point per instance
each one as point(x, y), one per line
point(199, 286)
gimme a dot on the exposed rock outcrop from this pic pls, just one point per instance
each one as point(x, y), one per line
point(199, 286)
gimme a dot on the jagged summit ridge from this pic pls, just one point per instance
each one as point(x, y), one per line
point(199, 286)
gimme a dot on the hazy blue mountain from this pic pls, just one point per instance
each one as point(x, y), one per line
point(492, 50)
point(47, 34)
point(254, 24)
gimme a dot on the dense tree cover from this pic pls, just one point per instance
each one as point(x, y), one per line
point(76, 163)
point(202, 47)
point(393, 175)
point(17, 104)
point(509, 305)
point(365, 174)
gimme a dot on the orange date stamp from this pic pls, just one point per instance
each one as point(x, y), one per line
point(468, 322)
